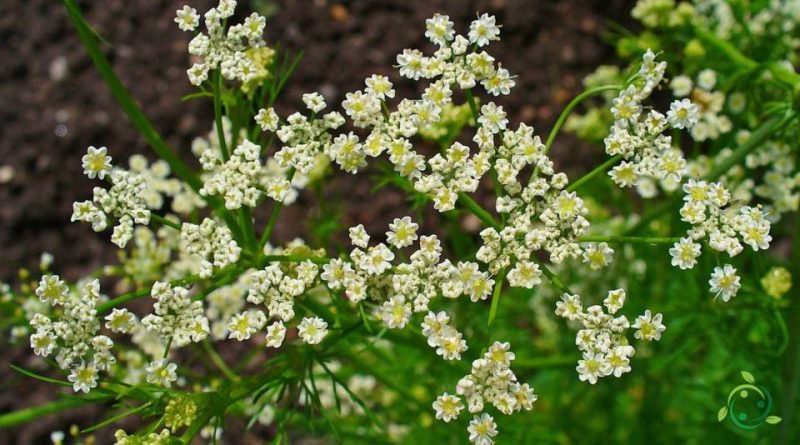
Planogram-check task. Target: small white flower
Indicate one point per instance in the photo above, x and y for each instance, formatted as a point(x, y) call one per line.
point(649, 327)
point(724, 282)
point(161, 372)
point(483, 30)
point(525, 274)
point(682, 114)
point(83, 378)
point(120, 320)
point(314, 101)
point(276, 332)
point(96, 163)
point(312, 330)
point(267, 119)
point(447, 407)
point(684, 253)
point(187, 18)
point(482, 430)
point(402, 232)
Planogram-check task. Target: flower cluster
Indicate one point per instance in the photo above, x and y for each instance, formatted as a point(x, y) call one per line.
point(74, 336)
point(212, 243)
point(638, 136)
point(234, 51)
point(710, 122)
point(491, 381)
point(124, 200)
point(236, 179)
point(602, 340)
point(177, 318)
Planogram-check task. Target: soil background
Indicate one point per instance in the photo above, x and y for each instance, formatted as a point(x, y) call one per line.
point(53, 104)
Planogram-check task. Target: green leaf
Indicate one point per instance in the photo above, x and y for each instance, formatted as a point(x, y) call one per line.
point(722, 414)
point(772, 420)
point(748, 377)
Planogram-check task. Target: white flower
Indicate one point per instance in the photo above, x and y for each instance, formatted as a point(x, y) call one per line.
point(649, 327)
point(447, 407)
point(267, 119)
point(624, 174)
point(187, 18)
point(379, 86)
point(161, 372)
point(314, 101)
point(684, 253)
point(682, 114)
point(482, 430)
point(120, 320)
point(525, 274)
point(83, 378)
point(439, 29)
point(43, 343)
point(724, 282)
point(597, 255)
point(493, 118)
point(707, 79)
point(96, 163)
point(402, 232)
point(615, 300)
point(592, 367)
point(312, 330)
point(483, 30)
point(681, 86)
point(276, 332)
point(359, 236)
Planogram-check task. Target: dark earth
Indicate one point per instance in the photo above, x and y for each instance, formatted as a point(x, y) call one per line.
point(53, 105)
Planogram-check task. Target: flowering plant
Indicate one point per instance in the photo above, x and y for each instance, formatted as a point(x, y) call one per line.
point(373, 341)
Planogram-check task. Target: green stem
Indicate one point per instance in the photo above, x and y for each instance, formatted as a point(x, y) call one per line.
point(165, 221)
point(598, 170)
point(473, 107)
point(572, 104)
point(295, 259)
point(223, 147)
point(246, 222)
point(565, 114)
point(215, 357)
point(629, 239)
point(498, 288)
point(25, 415)
point(477, 210)
point(554, 279)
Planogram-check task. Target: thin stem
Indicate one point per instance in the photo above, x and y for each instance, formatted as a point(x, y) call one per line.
point(215, 357)
point(498, 288)
point(473, 107)
point(477, 210)
point(223, 148)
point(565, 114)
point(629, 239)
point(568, 109)
point(25, 415)
point(554, 279)
point(165, 221)
point(295, 259)
point(598, 170)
